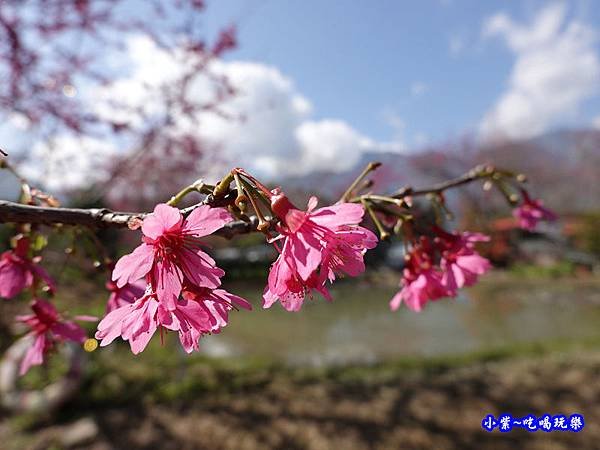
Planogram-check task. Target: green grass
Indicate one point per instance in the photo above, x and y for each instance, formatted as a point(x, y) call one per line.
point(162, 375)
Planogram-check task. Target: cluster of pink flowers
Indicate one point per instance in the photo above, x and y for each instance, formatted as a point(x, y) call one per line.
point(314, 247)
point(437, 268)
point(47, 329)
point(532, 211)
point(180, 290)
point(18, 271)
point(169, 283)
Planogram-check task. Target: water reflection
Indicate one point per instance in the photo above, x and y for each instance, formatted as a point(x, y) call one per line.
point(359, 328)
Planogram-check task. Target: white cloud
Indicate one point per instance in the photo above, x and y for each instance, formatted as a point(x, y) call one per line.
point(69, 162)
point(556, 69)
point(279, 135)
point(596, 122)
point(418, 88)
point(274, 134)
point(331, 144)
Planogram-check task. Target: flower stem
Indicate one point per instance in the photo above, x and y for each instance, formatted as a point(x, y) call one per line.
point(370, 168)
point(196, 186)
point(258, 184)
point(223, 185)
point(241, 198)
point(380, 198)
point(383, 234)
point(263, 224)
point(261, 196)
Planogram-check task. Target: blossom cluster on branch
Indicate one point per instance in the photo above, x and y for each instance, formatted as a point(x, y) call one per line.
point(58, 58)
point(169, 283)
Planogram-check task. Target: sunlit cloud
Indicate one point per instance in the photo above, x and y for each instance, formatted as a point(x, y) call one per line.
point(556, 69)
point(268, 127)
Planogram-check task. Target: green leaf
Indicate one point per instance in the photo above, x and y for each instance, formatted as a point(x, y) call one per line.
point(39, 242)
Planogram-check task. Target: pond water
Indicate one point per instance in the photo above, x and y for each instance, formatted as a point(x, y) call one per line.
point(358, 326)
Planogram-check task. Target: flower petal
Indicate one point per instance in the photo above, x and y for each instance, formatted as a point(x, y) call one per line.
point(164, 219)
point(69, 331)
point(305, 253)
point(340, 214)
point(135, 265)
point(199, 268)
point(205, 220)
point(168, 279)
point(13, 279)
point(34, 355)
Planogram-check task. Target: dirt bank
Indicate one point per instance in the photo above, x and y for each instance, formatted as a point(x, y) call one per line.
point(384, 407)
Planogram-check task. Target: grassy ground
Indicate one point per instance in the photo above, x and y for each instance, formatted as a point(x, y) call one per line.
point(164, 399)
point(170, 402)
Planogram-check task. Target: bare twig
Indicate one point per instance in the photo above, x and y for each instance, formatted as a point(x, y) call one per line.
point(474, 174)
point(104, 218)
point(366, 171)
point(11, 212)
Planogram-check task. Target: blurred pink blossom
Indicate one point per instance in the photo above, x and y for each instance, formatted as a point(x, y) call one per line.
point(47, 328)
point(531, 211)
point(461, 265)
point(18, 271)
point(121, 296)
point(437, 269)
point(421, 279)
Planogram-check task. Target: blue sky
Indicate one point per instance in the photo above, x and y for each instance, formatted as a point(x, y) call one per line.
point(424, 64)
point(322, 83)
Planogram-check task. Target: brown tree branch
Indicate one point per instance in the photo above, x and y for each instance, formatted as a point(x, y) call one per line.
point(11, 212)
point(476, 173)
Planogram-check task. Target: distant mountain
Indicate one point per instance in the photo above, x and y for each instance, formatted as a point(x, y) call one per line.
point(563, 168)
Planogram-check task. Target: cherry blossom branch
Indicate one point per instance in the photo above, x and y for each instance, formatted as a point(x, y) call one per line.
point(11, 212)
point(477, 173)
point(315, 247)
point(370, 168)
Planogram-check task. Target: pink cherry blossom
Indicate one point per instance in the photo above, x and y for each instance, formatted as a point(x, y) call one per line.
point(201, 311)
point(438, 269)
point(284, 284)
point(47, 329)
point(531, 211)
point(121, 296)
point(18, 271)
point(318, 244)
point(170, 253)
point(460, 263)
point(135, 322)
point(421, 280)
point(418, 289)
point(217, 303)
